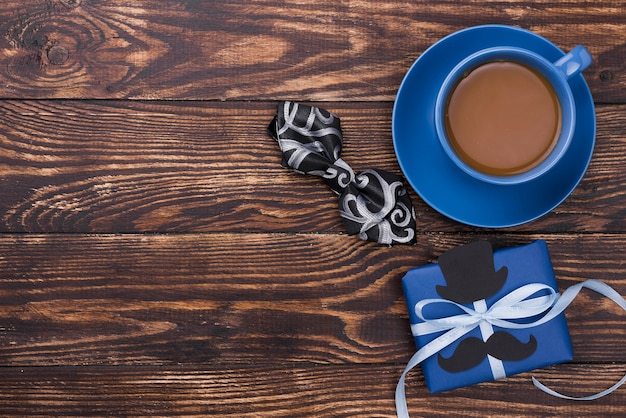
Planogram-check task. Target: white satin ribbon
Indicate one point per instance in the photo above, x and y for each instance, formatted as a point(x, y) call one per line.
point(515, 305)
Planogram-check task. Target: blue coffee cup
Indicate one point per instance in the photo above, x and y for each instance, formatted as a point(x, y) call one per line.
point(555, 73)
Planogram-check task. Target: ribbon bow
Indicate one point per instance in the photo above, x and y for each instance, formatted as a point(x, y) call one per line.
point(373, 204)
point(515, 305)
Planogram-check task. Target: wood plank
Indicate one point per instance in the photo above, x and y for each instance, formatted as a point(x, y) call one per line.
point(287, 391)
point(344, 50)
point(253, 298)
point(119, 166)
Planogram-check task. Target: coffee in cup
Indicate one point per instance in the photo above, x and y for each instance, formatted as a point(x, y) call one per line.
point(506, 115)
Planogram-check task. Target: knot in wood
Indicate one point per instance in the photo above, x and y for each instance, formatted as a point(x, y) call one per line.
point(71, 3)
point(606, 75)
point(58, 54)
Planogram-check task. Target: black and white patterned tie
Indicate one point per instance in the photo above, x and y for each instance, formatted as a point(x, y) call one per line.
point(373, 204)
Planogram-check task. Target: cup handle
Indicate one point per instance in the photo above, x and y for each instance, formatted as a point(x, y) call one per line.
point(574, 61)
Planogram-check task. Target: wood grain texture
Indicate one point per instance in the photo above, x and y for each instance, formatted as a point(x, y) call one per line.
point(275, 391)
point(156, 260)
point(233, 299)
point(344, 50)
point(109, 167)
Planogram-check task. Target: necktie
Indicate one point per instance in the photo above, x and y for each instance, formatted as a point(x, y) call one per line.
point(374, 204)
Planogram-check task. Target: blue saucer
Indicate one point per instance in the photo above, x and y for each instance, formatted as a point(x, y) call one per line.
point(438, 181)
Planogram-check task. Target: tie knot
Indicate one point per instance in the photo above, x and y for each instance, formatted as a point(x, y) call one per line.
point(338, 175)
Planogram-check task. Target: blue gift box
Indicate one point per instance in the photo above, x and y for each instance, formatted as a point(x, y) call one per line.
point(477, 278)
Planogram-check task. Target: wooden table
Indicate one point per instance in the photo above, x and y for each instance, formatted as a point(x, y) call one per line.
point(155, 259)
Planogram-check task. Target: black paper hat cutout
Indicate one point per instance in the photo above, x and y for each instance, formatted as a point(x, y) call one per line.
point(470, 273)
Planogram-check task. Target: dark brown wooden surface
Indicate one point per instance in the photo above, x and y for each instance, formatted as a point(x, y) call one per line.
point(156, 260)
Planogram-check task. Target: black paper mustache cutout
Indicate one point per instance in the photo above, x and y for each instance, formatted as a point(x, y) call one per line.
point(374, 204)
point(501, 345)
